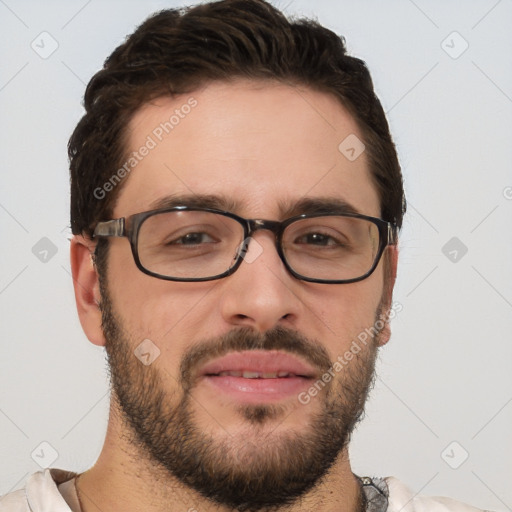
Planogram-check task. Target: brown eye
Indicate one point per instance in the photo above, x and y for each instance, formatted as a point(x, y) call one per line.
point(318, 239)
point(193, 239)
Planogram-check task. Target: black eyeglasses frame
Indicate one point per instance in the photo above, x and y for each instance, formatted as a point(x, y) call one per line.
point(129, 227)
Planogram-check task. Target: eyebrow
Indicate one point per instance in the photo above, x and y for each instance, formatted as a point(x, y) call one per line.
point(316, 205)
point(215, 202)
point(287, 209)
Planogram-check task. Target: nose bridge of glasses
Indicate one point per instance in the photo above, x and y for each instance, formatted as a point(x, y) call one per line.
point(270, 225)
point(260, 224)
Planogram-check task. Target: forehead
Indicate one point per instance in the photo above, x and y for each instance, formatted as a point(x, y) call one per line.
point(258, 145)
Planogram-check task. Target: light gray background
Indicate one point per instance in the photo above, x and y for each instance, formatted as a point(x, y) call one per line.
point(445, 375)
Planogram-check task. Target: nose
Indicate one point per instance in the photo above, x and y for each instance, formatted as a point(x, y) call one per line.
point(261, 294)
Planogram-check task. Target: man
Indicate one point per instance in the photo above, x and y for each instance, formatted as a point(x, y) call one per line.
point(236, 201)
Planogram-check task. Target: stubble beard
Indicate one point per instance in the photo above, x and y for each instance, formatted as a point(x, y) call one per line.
point(265, 468)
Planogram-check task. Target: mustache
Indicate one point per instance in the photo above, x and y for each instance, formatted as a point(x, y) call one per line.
point(237, 340)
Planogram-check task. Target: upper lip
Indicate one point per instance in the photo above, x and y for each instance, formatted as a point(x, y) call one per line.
point(260, 361)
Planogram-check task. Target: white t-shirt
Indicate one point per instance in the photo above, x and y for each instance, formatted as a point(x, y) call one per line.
point(53, 490)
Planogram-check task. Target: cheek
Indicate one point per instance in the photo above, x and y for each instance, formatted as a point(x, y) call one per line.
point(170, 314)
point(157, 308)
point(345, 311)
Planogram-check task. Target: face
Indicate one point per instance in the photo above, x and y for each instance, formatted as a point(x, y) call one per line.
point(258, 150)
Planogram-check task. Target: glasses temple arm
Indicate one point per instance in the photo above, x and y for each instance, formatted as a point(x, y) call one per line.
point(392, 234)
point(114, 227)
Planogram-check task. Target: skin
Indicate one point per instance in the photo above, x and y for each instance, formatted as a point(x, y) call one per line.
point(262, 144)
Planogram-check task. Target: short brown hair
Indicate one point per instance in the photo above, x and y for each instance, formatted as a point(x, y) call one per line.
point(176, 51)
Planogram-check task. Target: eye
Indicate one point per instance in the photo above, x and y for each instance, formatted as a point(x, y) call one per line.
point(192, 239)
point(318, 239)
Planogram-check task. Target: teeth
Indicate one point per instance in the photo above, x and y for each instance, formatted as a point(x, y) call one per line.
point(230, 374)
point(251, 375)
point(255, 375)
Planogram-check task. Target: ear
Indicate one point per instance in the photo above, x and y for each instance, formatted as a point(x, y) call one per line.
point(390, 267)
point(87, 289)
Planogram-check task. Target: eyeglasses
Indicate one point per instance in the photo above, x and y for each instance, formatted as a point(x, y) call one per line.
point(202, 244)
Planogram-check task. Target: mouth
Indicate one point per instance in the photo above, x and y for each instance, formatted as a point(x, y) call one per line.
point(258, 376)
point(255, 375)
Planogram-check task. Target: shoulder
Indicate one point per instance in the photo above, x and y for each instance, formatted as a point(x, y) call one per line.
point(14, 502)
point(40, 493)
point(401, 498)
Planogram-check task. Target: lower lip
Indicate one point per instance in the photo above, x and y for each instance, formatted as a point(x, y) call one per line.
point(258, 390)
